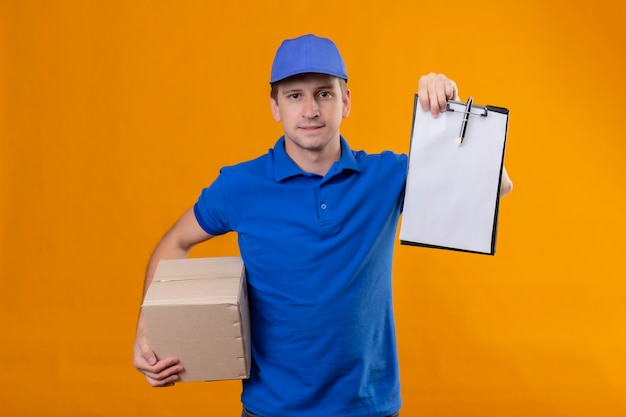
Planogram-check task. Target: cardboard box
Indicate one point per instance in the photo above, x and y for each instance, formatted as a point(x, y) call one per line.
point(196, 309)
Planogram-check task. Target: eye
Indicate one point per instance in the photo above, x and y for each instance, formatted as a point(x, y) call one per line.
point(294, 96)
point(325, 94)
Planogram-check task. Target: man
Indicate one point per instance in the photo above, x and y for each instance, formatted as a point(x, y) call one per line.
point(316, 223)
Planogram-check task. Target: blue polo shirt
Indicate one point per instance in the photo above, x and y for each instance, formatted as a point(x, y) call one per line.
point(318, 256)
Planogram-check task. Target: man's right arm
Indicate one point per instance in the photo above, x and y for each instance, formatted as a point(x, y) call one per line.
point(175, 244)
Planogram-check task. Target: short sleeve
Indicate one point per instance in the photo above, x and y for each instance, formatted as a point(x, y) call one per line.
point(211, 209)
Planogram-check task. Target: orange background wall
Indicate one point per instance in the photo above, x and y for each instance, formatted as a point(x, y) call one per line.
point(114, 114)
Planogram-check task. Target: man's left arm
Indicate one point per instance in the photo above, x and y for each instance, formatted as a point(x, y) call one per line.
point(506, 185)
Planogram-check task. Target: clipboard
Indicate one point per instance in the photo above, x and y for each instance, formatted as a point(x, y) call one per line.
point(453, 185)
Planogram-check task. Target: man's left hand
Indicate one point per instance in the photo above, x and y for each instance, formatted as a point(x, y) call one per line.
point(434, 90)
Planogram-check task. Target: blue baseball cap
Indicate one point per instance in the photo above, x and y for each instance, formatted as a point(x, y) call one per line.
point(307, 53)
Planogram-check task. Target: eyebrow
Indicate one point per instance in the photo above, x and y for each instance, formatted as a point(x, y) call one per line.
point(298, 89)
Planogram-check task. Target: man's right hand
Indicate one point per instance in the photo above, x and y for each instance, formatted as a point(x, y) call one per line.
point(159, 373)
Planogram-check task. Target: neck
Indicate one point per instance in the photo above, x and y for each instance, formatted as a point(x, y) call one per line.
point(316, 161)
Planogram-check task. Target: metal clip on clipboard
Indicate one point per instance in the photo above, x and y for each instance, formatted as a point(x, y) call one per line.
point(467, 112)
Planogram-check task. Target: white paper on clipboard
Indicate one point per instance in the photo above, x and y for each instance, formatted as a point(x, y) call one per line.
point(452, 191)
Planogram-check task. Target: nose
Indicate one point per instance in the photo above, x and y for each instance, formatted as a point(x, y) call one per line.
point(311, 108)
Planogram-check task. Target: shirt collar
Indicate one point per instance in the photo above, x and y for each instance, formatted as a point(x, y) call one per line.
point(285, 167)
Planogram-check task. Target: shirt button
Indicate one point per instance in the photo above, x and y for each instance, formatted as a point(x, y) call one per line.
point(323, 206)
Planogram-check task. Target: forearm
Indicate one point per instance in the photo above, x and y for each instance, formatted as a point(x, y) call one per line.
point(176, 243)
point(506, 185)
point(158, 372)
point(167, 248)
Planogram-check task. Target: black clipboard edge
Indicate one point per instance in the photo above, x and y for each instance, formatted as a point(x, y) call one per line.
point(426, 245)
point(494, 233)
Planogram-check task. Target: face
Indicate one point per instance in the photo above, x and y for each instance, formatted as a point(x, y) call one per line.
point(310, 108)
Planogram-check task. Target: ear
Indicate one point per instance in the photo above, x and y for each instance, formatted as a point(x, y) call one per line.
point(346, 100)
point(275, 109)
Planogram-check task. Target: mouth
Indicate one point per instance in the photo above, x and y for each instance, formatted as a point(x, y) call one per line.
point(310, 128)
